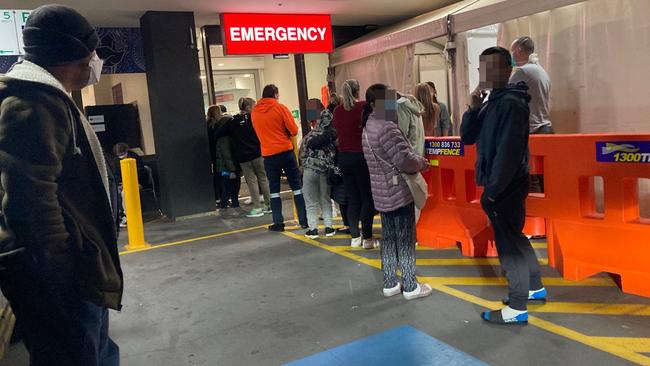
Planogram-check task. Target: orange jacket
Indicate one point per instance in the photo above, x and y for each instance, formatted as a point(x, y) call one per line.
point(274, 126)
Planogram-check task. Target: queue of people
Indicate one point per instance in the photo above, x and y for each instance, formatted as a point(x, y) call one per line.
point(60, 268)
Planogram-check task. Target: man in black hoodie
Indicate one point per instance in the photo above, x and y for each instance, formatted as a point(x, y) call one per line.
point(499, 127)
point(56, 198)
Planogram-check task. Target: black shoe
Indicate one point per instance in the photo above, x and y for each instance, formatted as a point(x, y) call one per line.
point(312, 234)
point(343, 230)
point(329, 232)
point(277, 227)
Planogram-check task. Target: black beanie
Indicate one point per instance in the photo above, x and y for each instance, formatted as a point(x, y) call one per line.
point(57, 34)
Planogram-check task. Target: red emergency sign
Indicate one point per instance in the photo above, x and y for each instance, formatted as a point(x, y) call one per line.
point(246, 34)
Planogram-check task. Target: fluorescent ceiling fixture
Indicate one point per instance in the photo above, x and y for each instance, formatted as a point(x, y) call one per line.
point(247, 75)
point(220, 64)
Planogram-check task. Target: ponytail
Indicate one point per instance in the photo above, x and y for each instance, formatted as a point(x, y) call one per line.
point(350, 88)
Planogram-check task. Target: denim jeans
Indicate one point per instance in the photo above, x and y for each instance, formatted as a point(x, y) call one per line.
point(317, 198)
point(57, 326)
point(274, 166)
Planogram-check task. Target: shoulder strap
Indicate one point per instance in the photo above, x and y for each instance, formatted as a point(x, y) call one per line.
point(365, 136)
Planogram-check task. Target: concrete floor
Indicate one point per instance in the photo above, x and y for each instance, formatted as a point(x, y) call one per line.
point(260, 298)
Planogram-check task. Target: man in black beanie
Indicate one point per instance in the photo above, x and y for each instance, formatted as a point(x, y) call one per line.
point(59, 265)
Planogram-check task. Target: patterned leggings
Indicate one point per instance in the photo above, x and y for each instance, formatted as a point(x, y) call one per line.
point(398, 245)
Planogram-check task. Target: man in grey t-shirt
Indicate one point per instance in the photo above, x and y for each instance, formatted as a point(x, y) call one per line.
point(539, 85)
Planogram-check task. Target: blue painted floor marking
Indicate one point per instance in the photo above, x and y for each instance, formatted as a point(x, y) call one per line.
point(402, 346)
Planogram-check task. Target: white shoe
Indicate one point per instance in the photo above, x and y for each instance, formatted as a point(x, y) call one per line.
point(370, 243)
point(356, 242)
point(388, 292)
point(420, 291)
point(248, 201)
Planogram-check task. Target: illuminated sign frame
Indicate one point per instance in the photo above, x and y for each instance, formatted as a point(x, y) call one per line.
point(249, 34)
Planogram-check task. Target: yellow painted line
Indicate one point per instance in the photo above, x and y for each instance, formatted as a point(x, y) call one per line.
point(592, 308)
point(180, 242)
point(501, 281)
point(461, 262)
point(618, 349)
point(641, 345)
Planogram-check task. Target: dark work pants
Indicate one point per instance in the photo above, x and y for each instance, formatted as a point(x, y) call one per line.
point(537, 180)
point(274, 166)
point(230, 191)
point(344, 215)
point(516, 254)
point(361, 207)
point(59, 330)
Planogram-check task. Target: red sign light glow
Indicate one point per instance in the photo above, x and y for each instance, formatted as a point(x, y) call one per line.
point(246, 34)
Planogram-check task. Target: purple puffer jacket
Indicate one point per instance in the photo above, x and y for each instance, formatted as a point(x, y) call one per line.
point(389, 144)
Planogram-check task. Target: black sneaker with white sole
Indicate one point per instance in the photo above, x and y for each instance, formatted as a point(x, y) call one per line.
point(329, 232)
point(277, 227)
point(312, 234)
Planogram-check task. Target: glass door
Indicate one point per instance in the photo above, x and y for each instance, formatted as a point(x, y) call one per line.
point(229, 86)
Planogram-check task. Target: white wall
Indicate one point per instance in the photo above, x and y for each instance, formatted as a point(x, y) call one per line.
point(316, 65)
point(477, 41)
point(134, 89)
point(282, 73)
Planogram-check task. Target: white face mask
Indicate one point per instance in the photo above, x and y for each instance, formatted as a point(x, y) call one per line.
point(96, 64)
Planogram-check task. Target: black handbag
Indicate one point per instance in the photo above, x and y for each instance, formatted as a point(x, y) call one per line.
point(334, 176)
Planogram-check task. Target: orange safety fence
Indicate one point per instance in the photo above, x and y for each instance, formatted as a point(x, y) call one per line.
point(590, 209)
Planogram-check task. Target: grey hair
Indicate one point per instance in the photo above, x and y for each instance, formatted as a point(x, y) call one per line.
point(526, 44)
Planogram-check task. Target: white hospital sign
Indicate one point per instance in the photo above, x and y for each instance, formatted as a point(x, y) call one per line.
point(11, 31)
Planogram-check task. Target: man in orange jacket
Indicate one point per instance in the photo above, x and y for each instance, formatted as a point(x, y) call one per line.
point(275, 127)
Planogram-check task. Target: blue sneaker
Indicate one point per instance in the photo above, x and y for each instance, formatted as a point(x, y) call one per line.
point(496, 317)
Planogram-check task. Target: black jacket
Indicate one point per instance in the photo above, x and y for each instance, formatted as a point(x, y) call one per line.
point(245, 144)
point(500, 130)
point(54, 201)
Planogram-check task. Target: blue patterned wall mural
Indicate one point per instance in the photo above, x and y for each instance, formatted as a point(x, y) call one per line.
point(121, 49)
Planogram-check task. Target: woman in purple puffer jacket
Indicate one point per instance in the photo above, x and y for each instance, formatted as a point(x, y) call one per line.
point(388, 154)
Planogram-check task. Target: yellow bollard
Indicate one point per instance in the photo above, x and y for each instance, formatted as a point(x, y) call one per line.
point(131, 190)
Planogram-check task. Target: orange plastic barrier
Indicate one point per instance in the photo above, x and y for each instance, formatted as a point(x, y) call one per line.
point(583, 238)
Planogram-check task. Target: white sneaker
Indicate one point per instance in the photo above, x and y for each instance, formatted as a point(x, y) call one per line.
point(370, 243)
point(356, 242)
point(420, 291)
point(388, 292)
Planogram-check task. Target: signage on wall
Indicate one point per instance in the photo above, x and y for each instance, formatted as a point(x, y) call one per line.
point(12, 23)
point(246, 34)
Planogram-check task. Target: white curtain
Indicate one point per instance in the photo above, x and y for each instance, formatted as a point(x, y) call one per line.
point(394, 68)
point(596, 54)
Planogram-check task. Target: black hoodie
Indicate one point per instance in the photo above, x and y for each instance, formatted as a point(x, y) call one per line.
point(245, 144)
point(500, 130)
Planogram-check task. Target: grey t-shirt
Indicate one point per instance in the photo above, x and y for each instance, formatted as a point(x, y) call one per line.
point(539, 88)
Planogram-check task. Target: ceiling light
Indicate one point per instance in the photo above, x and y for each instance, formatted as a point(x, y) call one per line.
point(220, 64)
point(202, 77)
point(247, 75)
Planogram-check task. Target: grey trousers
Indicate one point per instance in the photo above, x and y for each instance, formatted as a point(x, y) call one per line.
point(255, 176)
point(398, 245)
point(317, 197)
point(516, 254)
